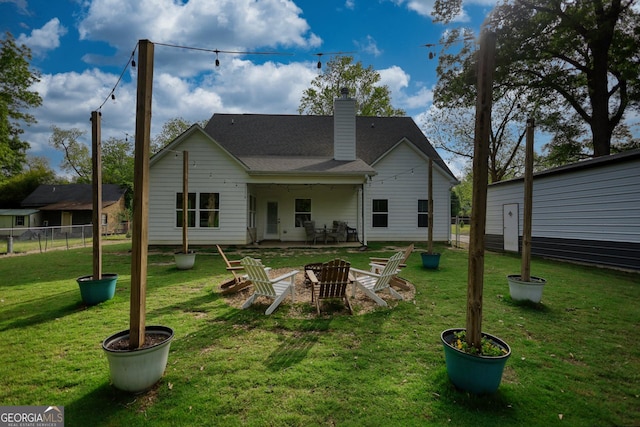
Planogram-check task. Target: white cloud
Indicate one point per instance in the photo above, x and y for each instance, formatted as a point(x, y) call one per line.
point(369, 45)
point(223, 24)
point(398, 82)
point(44, 39)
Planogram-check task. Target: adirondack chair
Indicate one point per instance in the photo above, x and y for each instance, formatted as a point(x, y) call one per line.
point(371, 283)
point(377, 264)
point(239, 280)
point(277, 288)
point(330, 282)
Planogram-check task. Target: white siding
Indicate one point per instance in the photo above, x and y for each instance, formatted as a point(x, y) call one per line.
point(213, 172)
point(402, 179)
point(599, 203)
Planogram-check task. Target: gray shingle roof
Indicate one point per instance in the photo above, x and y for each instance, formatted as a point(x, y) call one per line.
point(70, 195)
point(249, 136)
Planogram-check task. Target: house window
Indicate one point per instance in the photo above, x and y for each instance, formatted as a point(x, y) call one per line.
point(103, 219)
point(380, 213)
point(19, 220)
point(203, 206)
point(423, 213)
point(252, 211)
point(303, 211)
point(191, 210)
point(209, 209)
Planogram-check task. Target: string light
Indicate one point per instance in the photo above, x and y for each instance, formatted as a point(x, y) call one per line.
point(430, 46)
point(112, 95)
point(319, 55)
point(381, 180)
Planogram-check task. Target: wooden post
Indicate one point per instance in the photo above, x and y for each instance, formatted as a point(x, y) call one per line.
point(525, 267)
point(185, 202)
point(430, 207)
point(96, 182)
point(475, 278)
point(139, 235)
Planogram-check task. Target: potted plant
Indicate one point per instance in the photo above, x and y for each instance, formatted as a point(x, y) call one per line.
point(138, 356)
point(524, 287)
point(430, 259)
point(185, 259)
point(97, 287)
point(475, 360)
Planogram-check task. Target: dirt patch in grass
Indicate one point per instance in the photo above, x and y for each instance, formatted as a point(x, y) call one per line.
point(361, 303)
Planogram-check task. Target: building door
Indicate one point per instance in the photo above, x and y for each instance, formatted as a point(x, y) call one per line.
point(66, 222)
point(510, 227)
point(272, 230)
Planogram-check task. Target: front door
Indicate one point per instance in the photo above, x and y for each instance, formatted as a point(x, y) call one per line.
point(510, 227)
point(272, 231)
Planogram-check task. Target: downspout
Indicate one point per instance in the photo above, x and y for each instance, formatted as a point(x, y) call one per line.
point(364, 238)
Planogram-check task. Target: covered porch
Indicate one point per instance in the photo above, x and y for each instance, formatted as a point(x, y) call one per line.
point(277, 212)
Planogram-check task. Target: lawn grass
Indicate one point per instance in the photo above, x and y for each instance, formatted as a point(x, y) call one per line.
point(576, 359)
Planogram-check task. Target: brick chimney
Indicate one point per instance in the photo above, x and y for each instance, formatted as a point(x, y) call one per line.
point(344, 127)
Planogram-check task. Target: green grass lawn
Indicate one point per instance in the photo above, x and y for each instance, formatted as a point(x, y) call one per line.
point(575, 361)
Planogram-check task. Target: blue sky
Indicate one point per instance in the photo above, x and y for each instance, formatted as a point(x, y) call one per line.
point(81, 47)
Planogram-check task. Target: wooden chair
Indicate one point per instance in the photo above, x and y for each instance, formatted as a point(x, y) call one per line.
point(330, 283)
point(239, 280)
point(277, 288)
point(371, 283)
point(377, 264)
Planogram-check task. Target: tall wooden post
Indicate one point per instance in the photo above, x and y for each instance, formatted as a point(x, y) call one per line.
point(140, 230)
point(96, 182)
point(525, 267)
point(475, 280)
point(185, 202)
point(430, 208)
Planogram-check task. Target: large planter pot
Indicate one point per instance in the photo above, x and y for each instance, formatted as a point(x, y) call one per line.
point(526, 291)
point(94, 291)
point(185, 261)
point(138, 370)
point(472, 373)
point(430, 260)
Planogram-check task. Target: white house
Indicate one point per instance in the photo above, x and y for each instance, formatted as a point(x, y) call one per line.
point(255, 177)
point(584, 212)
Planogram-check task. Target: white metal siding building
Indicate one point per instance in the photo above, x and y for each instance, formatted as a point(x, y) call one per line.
point(585, 212)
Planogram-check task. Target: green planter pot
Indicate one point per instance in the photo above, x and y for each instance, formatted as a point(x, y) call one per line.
point(138, 370)
point(430, 261)
point(95, 291)
point(520, 290)
point(472, 373)
point(184, 261)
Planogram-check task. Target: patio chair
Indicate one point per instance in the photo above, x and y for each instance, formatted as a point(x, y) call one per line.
point(377, 264)
point(239, 280)
point(338, 232)
point(331, 283)
point(277, 288)
point(311, 232)
point(371, 283)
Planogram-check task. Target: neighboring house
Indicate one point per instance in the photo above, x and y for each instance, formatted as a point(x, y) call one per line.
point(584, 212)
point(15, 221)
point(72, 204)
point(256, 177)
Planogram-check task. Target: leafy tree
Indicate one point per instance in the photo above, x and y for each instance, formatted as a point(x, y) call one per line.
point(15, 189)
point(117, 165)
point(171, 129)
point(16, 98)
point(372, 99)
point(578, 59)
point(77, 158)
